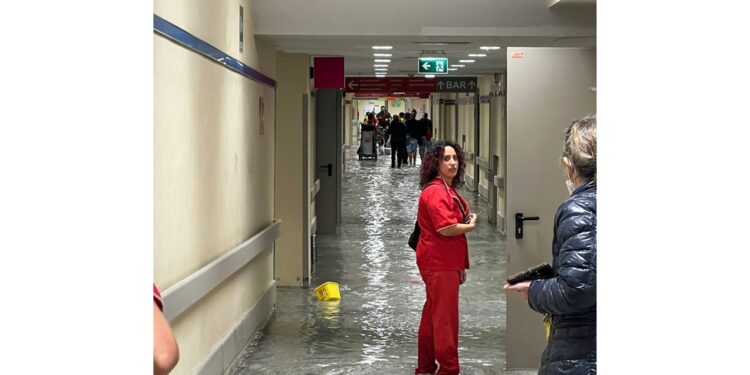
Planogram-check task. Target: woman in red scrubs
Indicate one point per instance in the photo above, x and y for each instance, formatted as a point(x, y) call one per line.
point(442, 256)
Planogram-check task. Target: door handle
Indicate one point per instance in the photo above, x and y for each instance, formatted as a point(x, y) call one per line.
point(329, 166)
point(519, 223)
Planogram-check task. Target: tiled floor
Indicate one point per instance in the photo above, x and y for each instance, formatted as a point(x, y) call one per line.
point(372, 330)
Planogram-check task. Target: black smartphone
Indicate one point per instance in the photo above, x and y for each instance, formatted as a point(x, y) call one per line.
point(541, 271)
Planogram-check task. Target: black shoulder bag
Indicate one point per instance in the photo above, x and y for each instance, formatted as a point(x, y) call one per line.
point(414, 238)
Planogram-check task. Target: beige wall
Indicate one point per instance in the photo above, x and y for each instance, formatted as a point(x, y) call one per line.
point(485, 83)
point(466, 127)
point(449, 117)
point(213, 179)
point(421, 105)
point(292, 192)
point(396, 106)
point(435, 115)
point(365, 105)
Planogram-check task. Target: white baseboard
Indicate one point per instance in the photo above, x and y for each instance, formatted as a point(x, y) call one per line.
point(223, 354)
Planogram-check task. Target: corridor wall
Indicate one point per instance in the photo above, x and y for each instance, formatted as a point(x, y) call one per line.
point(485, 83)
point(466, 113)
point(292, 191)
point(213, 174)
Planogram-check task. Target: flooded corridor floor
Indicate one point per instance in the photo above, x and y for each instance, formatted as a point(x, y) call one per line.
point(373, 329)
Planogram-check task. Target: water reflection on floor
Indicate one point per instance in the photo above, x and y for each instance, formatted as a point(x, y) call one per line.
point(372, 330)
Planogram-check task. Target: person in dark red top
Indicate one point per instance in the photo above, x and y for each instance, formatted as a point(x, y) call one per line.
point(442, 256)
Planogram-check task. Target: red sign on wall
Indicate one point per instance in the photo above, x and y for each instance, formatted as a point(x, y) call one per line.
point(392, 86)
point(328, 72)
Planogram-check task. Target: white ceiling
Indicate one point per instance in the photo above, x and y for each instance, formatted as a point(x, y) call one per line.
point(427, 28)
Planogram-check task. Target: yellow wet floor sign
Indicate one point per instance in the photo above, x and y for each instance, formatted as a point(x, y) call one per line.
point(328, 291)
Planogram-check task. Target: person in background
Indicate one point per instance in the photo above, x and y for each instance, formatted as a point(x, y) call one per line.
point(412, 128)
point(569, 298)
point(398, 141)
point(166, 352)
point(384, 122)
point(442, 256)
point(426, 125)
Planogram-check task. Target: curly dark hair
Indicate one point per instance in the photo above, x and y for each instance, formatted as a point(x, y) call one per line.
point(431, 163)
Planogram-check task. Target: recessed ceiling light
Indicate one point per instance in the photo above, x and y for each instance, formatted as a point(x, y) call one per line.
point(489, 48)
point(380, 75)
point(452, 69)
point(457, 66)
point(382, 47)
point(477, 55)
point(382, 60)
point(382, 54)
point(381, 69)
point(380, 65)
point(429, 76)
point(466, 61)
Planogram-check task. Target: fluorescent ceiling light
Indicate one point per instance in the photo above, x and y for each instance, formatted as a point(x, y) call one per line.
point(382, 47)
point(452, 69)
point(466, 61)
point(381, 69)
point(380, 65)
point(382, 60)
point(457, 66)
point(489, 48)
point(382, 54)
point(429, 76)
point(477, 55)
point(380, 75)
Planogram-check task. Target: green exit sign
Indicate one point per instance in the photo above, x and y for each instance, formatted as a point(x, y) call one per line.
point(433, 65)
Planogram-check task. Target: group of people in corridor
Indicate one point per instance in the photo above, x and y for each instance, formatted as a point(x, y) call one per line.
point(406, 134)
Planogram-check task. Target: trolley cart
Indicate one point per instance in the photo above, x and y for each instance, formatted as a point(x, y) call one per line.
point(367, 145)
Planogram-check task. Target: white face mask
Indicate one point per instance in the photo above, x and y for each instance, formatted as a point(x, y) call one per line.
point(570, 186)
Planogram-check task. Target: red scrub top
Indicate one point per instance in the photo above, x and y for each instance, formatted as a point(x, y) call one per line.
point(439, 208)
point(157, 298)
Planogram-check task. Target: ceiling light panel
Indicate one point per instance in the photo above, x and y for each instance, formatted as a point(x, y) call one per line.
point(382, 47)
point(382, 54)
point(477, 55)
point(382, 60)
point(457, 66)
point(466, 61)
point(489, 48)
point(380, 65)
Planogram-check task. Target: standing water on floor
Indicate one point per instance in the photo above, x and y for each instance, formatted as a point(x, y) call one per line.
point(373, 329)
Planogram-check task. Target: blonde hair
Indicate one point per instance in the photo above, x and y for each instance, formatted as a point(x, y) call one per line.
point(580, 146)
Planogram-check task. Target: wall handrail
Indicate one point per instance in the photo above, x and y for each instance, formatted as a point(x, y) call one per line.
point(185, 293)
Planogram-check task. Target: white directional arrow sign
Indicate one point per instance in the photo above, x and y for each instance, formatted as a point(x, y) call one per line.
point(426, 66)
point(352, 85)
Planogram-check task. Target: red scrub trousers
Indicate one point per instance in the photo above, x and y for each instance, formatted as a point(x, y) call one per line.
point(438, 330)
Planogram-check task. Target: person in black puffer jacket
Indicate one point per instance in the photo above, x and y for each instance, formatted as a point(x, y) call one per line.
point(569, 297)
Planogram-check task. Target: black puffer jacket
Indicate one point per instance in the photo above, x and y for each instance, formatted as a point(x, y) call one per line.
point(570, 296)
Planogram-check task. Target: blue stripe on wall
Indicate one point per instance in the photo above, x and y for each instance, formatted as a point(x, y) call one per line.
point(191, 42)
